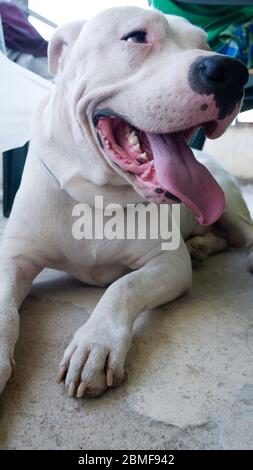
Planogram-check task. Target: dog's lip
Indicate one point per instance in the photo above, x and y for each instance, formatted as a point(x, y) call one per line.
point(208, 126)
point(104, 112)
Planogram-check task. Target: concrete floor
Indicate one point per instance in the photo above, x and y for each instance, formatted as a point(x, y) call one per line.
point(190, 369)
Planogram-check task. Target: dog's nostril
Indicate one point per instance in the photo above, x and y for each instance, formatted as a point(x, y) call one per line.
point(219, 70)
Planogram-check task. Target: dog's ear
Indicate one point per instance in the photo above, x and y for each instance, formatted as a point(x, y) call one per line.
point(61, 43)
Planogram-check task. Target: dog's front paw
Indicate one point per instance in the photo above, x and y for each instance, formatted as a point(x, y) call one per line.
point(6, 367)
point(94, 360)
point(197, 248)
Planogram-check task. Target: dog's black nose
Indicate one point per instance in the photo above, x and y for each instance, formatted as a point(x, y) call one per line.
point(223, 77)
point(219, 71)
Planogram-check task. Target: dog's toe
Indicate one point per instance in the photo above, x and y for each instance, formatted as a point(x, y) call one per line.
point(6, 368)
point(197, 248)
point(93, 373)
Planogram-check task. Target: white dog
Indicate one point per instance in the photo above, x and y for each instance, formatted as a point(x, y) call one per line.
point(132, 87)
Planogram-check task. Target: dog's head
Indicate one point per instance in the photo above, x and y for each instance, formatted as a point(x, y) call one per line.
point(139, 84)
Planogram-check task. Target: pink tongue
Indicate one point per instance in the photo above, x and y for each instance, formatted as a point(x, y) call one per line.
point(181, 174)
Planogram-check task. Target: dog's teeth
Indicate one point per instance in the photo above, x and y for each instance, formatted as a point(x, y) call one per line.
point(152, 162)
point(137, 147)
point(132, 136)
point(143, 156)
point(133, 139)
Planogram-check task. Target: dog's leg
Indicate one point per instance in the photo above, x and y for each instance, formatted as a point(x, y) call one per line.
point(202, 246)
point(16, 276)
point(235, 225)
point(96, 356)
point(236, 220)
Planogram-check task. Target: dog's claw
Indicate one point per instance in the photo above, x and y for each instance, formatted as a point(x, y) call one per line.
point(71, 389)
point(81, 390)
point(13, 364)
point(109, 377)
point(61, 373)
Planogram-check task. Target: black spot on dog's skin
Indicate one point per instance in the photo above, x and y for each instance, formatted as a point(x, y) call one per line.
point(171, 196)
point(167, 194)
point(159, 190)
point(203, 107)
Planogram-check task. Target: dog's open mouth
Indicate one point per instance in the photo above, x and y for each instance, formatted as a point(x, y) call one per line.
point(162, 167)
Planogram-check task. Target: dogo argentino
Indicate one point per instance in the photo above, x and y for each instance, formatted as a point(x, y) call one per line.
point(132, 87)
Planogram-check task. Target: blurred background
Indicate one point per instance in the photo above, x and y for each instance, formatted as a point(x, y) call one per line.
point(61, 11)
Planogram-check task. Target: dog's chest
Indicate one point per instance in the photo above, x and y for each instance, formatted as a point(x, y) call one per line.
point(96, 256)
point(101, 262)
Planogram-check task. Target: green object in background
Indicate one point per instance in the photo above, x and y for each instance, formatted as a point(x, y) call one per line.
point(214, 19)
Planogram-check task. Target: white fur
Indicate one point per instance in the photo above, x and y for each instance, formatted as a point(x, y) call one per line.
point(65, 165)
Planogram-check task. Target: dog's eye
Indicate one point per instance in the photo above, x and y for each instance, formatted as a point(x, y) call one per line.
point(139, 37)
